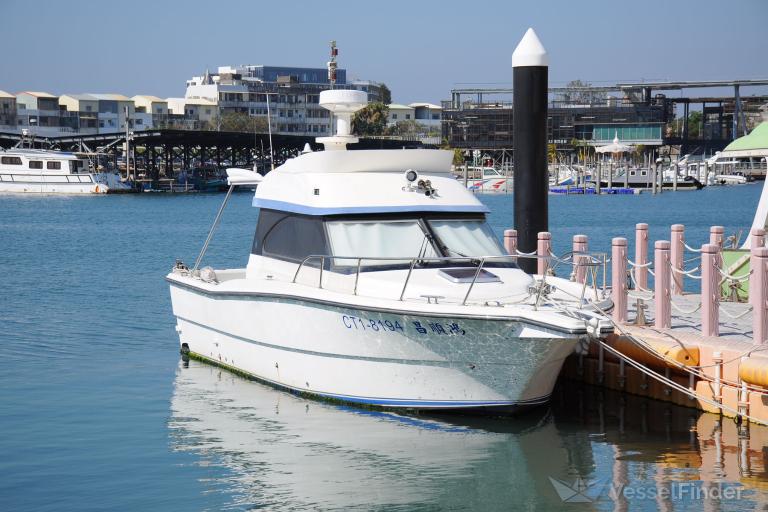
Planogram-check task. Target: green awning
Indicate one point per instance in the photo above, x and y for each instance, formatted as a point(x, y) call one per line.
point(754, 144)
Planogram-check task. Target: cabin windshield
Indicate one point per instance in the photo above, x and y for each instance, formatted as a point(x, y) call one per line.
point(379, 238)
point(465, 238)
point(386, 241)
point(409, 238)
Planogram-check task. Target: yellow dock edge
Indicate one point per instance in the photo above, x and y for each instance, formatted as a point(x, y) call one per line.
point(671, 362)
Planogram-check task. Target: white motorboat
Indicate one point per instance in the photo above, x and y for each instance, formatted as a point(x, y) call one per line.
point(729, 179)
point(53, 172)
point(374, 279)
point(486, 180)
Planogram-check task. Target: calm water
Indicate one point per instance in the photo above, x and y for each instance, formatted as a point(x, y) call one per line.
point(97, 412)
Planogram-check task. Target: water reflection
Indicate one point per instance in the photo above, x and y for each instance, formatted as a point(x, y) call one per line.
point(267, 448)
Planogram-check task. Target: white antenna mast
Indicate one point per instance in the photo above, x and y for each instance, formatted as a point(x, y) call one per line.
point(332, 64)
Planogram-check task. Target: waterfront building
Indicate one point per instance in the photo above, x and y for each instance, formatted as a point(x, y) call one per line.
point(79, 112)
point(293, 94)
point(39, 112)
point(112, 112)
point(150, 112)
point(427, 114)
point(7, 111)
point(398, 112)
point(193, 113)
point(583, 115)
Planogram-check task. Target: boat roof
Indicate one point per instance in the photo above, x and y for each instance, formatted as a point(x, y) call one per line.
point(40, 153)
point(754, 144)
point(365, 182)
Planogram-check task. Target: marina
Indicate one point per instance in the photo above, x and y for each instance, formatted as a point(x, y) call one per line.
point(292, 287)
point(176, 424)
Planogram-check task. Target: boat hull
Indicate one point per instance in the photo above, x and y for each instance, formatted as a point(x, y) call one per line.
point(52, 184)
point(370, 357)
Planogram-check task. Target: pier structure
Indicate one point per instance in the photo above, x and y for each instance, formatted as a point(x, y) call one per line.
point(691, 323)
point(162, 154)
point(638, 113)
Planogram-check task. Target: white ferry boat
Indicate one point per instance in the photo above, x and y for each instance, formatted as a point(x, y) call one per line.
point(53, 172)
point(374, 279)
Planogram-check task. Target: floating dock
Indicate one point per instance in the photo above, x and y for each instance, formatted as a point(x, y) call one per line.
point(706, 347)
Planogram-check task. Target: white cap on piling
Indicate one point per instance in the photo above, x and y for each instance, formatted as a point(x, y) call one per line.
point(530, 52)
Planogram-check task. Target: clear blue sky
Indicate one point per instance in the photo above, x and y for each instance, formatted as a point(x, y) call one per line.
point(421, 49)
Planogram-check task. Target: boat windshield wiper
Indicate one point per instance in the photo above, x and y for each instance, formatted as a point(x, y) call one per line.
point(448, 250)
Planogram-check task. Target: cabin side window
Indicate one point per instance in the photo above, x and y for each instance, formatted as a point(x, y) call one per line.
point(288, 236)
point(10, 160)
point(35, 164)
point(53, 165)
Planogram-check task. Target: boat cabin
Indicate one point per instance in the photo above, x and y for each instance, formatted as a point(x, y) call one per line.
point(376, 209)
point(374, 241)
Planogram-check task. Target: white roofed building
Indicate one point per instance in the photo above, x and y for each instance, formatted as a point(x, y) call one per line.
point(151, 112)
point(7, 111)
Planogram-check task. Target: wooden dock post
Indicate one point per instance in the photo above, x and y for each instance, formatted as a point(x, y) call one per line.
point(544, 247)
point(662, 297)
point(580, 244)
point(710, 290)
point(510, 241)
point(717, 235)
point(758, 292)
point(641, 254)
point(676, 257)
point(619, 279)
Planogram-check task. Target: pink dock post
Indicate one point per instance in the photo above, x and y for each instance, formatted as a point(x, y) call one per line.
point(758, 294)
point(716, 236)
point(758, 237)
point(543, 248)
point(580, 244)
point(676, 257)
point(510, 241)
point(710, 290)
point(619, 279)
point(661, 294)
point(641, 254)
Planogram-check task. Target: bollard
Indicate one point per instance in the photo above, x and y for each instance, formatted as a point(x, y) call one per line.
point(710, 290)
point(662, 298)
point(543, 248)
point(757, 237)
point(530, 71)
point(758, 294)
point(619, 279)
point(716, 236)
point(676, 257)
point(641, 254)
point(580, 244)
point(510, 241)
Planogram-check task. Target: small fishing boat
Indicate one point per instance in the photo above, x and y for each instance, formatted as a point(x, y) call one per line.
point(374, 279)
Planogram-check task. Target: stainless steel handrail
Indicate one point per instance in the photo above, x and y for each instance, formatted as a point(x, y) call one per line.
point(413, 262)
point(594, 260)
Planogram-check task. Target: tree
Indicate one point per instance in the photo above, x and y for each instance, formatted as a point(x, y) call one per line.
point(579, 96)
point(694, 125)
point(406, 127)
point(552, 153)
point(386, 94)
point(370, 120)
point(242, 122)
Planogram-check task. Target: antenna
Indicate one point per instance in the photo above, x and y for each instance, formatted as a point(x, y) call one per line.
point(332, 64)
